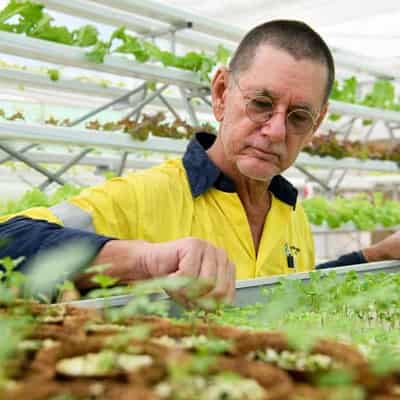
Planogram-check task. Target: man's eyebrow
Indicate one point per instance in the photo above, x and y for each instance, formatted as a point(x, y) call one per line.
point(266, 93)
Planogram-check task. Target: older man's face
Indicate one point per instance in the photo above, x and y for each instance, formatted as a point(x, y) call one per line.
point(260, 150)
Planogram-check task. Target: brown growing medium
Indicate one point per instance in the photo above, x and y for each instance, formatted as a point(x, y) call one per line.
point(387, 388)
point(277, 383)
point(349, 357)
point(307, 392)
point(37, 378)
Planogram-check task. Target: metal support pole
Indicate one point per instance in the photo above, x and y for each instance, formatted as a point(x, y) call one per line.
point(313, 177)
point(395, 126)
point(348, 126)
point(339, 181)
point(206, 101)
point(189, 107)
point(391, 133)
point(330, 176)
point(170, 29)
point(370, 129)
point(344, 127)
point(107, 105)
point(123, 163)
point(31, 164)
point(173, 42)
point(64, 168)
point(147, 100)
point(170, 108)
point(20, 151)
point(143, 96)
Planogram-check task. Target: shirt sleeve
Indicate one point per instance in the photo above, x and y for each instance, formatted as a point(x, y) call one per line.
point(26, 237)
point(354, 258)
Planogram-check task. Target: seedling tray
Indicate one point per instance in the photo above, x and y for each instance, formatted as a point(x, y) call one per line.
point(249, 291)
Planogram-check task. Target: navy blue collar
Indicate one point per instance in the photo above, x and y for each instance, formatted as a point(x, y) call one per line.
point(204, 174)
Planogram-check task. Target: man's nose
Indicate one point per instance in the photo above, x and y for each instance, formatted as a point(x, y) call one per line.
point(275, 127)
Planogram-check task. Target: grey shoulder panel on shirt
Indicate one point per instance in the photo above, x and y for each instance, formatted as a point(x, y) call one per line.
point(73, 216)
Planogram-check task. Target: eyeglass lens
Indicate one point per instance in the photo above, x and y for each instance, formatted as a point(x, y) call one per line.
point(299, 121)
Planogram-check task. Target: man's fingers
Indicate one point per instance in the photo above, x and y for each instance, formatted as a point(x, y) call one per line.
point(209, 267)
point(225, 283)
point(190, 258)
point(232, 285)
point(187, 293)
point(212, 272)
point(179, 297)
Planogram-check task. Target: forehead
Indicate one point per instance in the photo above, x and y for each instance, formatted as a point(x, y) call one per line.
point(291, 80)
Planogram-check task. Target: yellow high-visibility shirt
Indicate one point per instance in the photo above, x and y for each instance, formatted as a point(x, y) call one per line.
point(158, 205)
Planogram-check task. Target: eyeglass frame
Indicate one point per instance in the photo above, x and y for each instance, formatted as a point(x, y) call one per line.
point(249, 99)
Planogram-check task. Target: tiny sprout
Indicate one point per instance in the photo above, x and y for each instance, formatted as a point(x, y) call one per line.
point(104, 281)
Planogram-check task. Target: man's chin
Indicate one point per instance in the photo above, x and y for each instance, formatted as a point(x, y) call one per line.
point(262, 175)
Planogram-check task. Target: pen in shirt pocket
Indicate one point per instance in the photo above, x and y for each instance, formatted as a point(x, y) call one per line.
point(289, 257)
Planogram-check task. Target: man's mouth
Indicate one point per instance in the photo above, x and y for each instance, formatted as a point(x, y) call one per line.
point(264, 154)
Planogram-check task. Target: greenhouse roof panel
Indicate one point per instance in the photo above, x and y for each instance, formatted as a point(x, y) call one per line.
point(365, 27)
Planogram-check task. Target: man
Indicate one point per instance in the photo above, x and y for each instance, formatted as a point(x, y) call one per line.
point(223, 212)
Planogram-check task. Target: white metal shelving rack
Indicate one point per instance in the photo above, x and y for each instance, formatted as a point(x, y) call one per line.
point(27, 47)
point(99, 93)
point(188, 28)
point(154, 19)
point(188, 84)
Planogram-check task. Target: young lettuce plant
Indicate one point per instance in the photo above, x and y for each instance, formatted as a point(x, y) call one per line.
point(11, 278)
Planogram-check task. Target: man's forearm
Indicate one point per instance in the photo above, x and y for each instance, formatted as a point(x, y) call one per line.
point(354, 258)
point(387, 249)
point(26, 237)
point(124, 259)
point(374, 253)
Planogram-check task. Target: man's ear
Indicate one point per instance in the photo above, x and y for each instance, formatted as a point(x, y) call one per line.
point(321, 116)
point(219, 86)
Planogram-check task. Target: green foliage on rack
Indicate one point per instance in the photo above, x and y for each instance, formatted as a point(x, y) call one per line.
point(29, 18)
point(365, 212)
point(37, 198)
point(144, 51)
point(53, 74)
point(382, 95)
point(345, 91)
point(33, 21)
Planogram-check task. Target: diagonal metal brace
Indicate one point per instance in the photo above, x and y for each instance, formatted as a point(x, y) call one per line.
point(108, 105)
point(313, 177)
point(64, 168)
point(146, 101)
point(20, 151)
point(15, 154)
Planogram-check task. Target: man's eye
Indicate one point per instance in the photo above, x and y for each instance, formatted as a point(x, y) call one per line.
point(299, 116)
point(262, 104)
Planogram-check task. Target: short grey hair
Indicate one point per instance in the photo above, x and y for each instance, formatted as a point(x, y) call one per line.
point(295, 37)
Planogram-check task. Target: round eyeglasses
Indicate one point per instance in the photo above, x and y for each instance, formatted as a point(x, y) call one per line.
point(260, 109)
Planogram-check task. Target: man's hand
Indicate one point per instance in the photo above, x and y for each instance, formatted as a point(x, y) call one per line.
point(132, 260)
point(194, 258)
point(386, 249)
